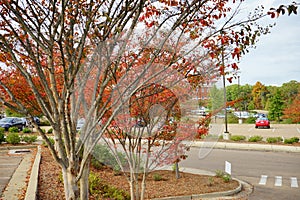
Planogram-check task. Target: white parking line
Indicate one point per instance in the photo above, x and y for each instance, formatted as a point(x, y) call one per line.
point(294, 183)
point(278, 181)
point(263, 180)
point(298, 130)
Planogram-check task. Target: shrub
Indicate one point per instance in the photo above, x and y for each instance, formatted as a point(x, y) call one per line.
point(29, 139)
point(274, 139)
point(2, 137)
point(226, 177)
point(99, 189)
point(50, 130)
point(2, 130)
point(255, 138)
point(51, 141)
point(44, 123)
point(102, 155)
point(237, 137)
point(232, 119)
point(26, 130)
point(291, 140)
point(219, 173)
point(250, 120)
point(13, 130)
point(157, 177)
point(13, 138)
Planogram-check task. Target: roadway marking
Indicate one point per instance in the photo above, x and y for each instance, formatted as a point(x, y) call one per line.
point(263, 180)
point(294, 183)
point(278, 181)
point(298, 130)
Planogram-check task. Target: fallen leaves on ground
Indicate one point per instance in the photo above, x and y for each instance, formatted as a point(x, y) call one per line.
point(50, 186)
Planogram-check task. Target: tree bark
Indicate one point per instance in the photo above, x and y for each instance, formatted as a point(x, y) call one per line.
point(70, 185)
point(84, 181)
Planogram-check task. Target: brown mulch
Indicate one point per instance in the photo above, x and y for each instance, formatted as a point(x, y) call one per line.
point(50, 186)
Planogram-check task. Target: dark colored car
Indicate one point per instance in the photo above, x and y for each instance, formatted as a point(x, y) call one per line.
point(262, 122)
point(8, 122)
point(27, 122)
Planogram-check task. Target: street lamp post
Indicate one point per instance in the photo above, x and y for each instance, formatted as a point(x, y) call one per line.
point(226, 133)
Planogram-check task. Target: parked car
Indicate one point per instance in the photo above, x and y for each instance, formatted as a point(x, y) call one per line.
point(8, 122)
point(262, 122)
point(80, 124)
point(260, 115)
point(27, 122)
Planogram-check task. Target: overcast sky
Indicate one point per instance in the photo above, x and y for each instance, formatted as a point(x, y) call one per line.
point(276, 59)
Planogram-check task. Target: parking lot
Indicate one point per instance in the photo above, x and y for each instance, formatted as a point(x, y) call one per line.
point(8, 165)
point(276, 130)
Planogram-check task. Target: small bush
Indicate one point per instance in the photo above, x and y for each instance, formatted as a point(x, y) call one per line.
point(44, 123)
point(219, 173)
point(291, 140)
point(99, 189)
point(157, 177)
point(255, 138)
point(232, 119)
point(29, 139)
point(2, 130)
point(250, 120)
point(237, 137)
point(103, 156)
point(13, 130)
point(2, 137)
point(26, 130)
point(51, 141)
point(13, 138)
point(274, 139)
point(226, 177)
point(50, 131)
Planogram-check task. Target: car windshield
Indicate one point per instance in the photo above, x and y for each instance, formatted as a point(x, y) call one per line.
point(263, 118)
point(5, 120)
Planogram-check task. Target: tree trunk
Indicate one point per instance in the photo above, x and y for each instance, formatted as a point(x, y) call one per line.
point(70, 185)
point(134, 186)
point(84, 182)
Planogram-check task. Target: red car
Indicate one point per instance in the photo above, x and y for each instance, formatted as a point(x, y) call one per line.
point(262, 122)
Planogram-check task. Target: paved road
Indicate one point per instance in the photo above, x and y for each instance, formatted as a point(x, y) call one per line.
point(274, 175)
point(8, 165)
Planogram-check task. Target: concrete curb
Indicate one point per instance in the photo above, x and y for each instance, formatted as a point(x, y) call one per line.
point(18, 147)
point(31, 192)
point(207, 195)
point(246, 146)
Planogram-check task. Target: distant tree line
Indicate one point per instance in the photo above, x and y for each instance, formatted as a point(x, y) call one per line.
point(281, 102)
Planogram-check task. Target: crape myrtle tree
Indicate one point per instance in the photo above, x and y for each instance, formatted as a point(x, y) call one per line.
point(105, 61)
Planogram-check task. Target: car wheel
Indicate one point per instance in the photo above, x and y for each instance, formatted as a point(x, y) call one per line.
point(268, 126)
point(256, 126)
point(21, 128)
